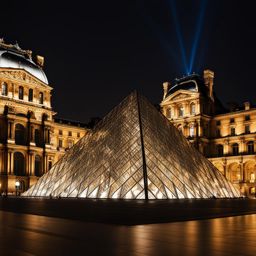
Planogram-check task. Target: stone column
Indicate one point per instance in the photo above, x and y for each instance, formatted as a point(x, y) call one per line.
point(10, 168)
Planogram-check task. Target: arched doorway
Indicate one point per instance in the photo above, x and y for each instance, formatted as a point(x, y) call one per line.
point(38, 166)
point(20, 134)
point(250, 171)
point(234, 173)
point(19, 164)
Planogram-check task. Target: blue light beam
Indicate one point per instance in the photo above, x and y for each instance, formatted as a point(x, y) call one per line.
point(179, 36)
point(199, 26)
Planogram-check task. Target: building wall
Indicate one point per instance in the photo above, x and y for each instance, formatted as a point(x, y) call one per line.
point(29, 136)
point(227, 140)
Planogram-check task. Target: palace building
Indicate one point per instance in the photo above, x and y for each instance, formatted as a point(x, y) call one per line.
point(225, 136)
point(31, 139)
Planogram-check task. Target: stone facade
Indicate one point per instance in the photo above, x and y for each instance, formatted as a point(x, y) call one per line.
point(225, 137)
point(31, 140)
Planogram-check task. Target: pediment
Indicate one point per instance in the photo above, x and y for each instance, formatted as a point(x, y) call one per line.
point(21, 76)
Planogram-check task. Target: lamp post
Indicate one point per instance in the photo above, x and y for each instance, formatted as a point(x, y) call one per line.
point(17, 186)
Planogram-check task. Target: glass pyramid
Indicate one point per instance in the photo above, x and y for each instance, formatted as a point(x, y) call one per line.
point(135, 153)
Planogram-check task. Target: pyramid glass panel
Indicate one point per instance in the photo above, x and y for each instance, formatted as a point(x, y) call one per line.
point(133, 153)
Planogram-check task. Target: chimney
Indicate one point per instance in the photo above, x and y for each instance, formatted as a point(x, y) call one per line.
point(166, 86)
point(40, 60)
point(246, 105)
point(208, 80)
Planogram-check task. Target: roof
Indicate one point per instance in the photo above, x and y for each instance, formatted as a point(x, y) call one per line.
point(12, 56)
point(192, 83)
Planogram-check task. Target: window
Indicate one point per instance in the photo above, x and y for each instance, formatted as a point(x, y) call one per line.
point(4, 89)
point(252, 191)
point(21, 93)
point(19, 164)
point(70, 143)
point(69, 133)
point(60, 132)
point(247, 129)
point(218, 122)
point(41, 98)
point(20, 134)
point(192, 108)
point(233, 131)
point(247, 118)
point(181, 111)
point(218, 133)
point(252, 177)
point(30, 95)
point(38, 138)
point(250, 147)
point(232, 120)
point(235, 149)
point(78, 135)
point(60, 144)
point(168, 112)
point(192, 131)
point(38, 166)
point(220, 150)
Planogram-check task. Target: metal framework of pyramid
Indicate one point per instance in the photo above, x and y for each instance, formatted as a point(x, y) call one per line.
point(133, 153)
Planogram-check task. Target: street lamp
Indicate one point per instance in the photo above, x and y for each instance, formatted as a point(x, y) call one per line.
point(17, 186)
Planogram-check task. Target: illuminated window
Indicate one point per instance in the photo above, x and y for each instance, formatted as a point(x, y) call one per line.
point(250, 147)
point(60, 132)
point(69, 133)
point(181, 111)
point(235, 149)
point(252, 191)
point(220, 150)
point(30, 95)
point(60, 143)
point(192, 108)
point(169, 112)
point(4, 89)
point(78, 135)
point(70, 143)
point(192, 131)
point(233, 131)
point(21, 93)
point(41, 98)
point(232, 120)
point(252, 177)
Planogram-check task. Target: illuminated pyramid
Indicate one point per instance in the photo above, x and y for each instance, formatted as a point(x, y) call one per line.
point(134, 152)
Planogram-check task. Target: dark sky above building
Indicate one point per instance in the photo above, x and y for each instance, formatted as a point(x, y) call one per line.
point(96, 52)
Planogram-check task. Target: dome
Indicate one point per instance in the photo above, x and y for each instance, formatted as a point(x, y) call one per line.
point(10, 58)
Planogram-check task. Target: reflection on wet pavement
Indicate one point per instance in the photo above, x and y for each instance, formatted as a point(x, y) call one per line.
point(24, 234)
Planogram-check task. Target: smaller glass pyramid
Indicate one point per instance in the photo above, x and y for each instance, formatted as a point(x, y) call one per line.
point(135, 153)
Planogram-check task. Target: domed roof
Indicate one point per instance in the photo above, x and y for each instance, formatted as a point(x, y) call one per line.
point(189, 83)
point(14, 57)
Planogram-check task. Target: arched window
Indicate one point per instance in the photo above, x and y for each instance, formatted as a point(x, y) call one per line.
point(41, 98)
point(181, 111)
point(19, 164)
point(192, 108)
point(4, 89)
point(169, 112)
point(30, 95)
point(192, 130)
point(20, 136)
point(21, 93)
point(220, 150)
point(235, 149)
point(38, 166)
point(250, 147)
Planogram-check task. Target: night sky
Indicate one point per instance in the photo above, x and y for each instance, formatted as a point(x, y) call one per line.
point(97, 52)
